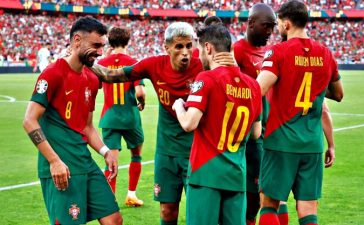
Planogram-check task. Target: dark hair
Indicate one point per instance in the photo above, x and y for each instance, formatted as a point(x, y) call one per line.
point(88, 24)
point(212, 20)
point(217, 35)
point(119, 37)
point(295, 11)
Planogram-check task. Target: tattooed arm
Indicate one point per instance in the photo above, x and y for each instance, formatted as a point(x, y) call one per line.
point(59, 171)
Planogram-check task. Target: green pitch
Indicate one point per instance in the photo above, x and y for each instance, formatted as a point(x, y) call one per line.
point(342, 201)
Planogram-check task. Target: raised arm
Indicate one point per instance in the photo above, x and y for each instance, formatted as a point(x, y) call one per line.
point(189, 119)
point(59, 170)
point(110, 75)
point(266, 79)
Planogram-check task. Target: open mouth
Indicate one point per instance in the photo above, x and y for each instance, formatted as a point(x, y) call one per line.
point(184, 60)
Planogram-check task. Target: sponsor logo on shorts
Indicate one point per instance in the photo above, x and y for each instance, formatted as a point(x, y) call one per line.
point(74, 211)
point(157, 190)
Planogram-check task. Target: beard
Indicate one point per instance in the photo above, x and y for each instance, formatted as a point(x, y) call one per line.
point(85, 59)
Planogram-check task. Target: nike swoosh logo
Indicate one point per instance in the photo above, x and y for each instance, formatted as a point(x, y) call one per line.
point(255, 63)
point(69, 92)
point(160, 82)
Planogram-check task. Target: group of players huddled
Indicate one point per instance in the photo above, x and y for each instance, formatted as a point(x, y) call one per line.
point(257, 114)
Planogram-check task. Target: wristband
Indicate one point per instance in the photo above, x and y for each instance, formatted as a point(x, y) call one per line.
point(103, 150)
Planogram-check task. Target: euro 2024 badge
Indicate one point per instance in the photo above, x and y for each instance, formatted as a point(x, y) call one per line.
point(42, 86)
point(74, 211)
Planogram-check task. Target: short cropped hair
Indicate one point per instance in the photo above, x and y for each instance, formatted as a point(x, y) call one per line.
point(218, 35)
point(88, 24)
point(212, 20)
point(295, 11)
point(119, 37)
point(178, 29)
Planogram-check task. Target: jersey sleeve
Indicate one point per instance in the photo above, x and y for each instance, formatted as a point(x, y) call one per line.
point(46, 86)
point(272, 60)
point(139, 82)
point(140, 69)
point(200, 91)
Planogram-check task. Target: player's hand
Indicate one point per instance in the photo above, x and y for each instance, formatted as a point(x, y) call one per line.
point(329, 157)
point(112, 163)
point(60, 174)
point(225, 59)
point(178, 104)
point(141, 106)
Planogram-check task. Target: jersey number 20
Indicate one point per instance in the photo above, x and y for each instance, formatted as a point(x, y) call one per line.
point(233, 147)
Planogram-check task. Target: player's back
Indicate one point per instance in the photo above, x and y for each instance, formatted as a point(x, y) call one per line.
point(230, 102)
point(304, 69)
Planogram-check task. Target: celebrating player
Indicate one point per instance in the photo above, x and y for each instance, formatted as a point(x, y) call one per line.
point(59, 122)
point(222, 106)
point(299, 73)
point(249, 54)
point(120, 116)
point(171, 76)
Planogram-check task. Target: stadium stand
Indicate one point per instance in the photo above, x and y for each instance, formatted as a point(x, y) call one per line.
point(22, 35)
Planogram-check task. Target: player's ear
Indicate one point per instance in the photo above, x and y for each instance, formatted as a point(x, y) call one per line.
point(251, 22)
point(166, 47)
point(287, 24)
point(76, 40)
point(208, 48)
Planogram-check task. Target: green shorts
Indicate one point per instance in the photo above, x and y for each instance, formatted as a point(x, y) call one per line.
point(88, 197)
point(282, 172)
point(253, 158)
point(206, 206)
point(132, 137)
point(170, 175)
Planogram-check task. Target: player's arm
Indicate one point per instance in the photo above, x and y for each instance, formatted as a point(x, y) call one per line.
point(335, 91)
point(188, 119)
point(111, 75)
point(266, 79)
point(256, 130)
point(98, 145)
point(59, 171)
point(329, 135)
point(140, 96)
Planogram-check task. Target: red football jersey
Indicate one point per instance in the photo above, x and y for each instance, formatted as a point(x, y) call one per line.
point(115, 93)
point(248, 57)
point(168, 83)
point(304, 69)
point(71, 94)
point(230, 102)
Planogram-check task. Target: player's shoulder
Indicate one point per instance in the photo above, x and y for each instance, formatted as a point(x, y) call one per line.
point(56, 70)
point(241, 43)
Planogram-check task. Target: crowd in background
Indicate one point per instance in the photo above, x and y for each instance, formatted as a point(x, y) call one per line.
point(208, 4)
point(21, 36)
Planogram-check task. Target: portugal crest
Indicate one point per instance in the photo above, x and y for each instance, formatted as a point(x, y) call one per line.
point(74, 211)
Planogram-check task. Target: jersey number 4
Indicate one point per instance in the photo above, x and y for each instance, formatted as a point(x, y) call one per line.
point(305, 92)
point(233, 147)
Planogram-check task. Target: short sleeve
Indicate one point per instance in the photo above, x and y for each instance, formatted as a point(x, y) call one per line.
point(200, 91)
point(46, 87)
point(271, 60)
point(140, 69)
point(335, 70)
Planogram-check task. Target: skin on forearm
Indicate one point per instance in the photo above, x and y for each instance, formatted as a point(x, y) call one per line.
point(109, 75)
point(327, 125)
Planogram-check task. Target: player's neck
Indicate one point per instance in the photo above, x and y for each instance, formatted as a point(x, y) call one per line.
point(74, 62)
point(297, 33)
point(119, 50)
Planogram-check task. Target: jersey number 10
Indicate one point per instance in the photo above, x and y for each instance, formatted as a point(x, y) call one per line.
point(233, 147)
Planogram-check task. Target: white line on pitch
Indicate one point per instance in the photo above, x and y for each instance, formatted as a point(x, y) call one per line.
point(37, 182)
point(9, 98)
point(348, 128)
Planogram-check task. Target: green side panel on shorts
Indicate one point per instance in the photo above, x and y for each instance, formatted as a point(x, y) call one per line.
point(67, 143)
point(226, 171)
point(121, 117)
point(301, 134)
point(172, 140)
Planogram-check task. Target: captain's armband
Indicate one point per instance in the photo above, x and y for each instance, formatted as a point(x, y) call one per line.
point(37, 136)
